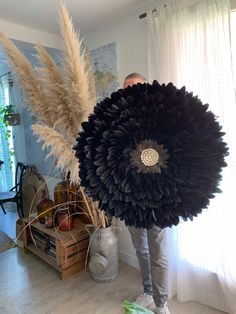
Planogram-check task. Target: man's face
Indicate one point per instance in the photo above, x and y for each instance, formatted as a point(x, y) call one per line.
point(133, 81)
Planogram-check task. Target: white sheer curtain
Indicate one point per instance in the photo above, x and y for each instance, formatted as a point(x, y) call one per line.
point(6, 175)
point(189, 44)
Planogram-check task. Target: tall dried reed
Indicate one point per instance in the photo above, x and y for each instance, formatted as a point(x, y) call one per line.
point(61, 99)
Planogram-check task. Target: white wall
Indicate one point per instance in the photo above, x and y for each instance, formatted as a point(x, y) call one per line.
point(30, 35)
point(130, 35)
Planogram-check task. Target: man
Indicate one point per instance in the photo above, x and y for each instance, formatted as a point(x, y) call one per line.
point(150, 246)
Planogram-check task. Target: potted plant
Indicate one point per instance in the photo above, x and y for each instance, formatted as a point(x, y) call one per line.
point(103, 248)
point(9, 116)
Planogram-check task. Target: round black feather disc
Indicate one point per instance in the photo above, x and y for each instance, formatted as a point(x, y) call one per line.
point(151, 154)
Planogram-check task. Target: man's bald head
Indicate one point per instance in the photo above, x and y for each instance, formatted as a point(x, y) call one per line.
point(133, 78)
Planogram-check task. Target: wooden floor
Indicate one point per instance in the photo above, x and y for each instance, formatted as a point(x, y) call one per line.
point(30, 286)
point(8, 223)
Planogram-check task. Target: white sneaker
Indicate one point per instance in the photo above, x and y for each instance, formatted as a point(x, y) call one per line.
point(145, 300)
point(162, 310)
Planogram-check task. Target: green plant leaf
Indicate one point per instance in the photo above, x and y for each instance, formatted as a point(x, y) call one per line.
point(133, 308)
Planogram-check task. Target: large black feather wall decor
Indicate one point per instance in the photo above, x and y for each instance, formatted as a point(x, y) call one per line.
point(151, 154)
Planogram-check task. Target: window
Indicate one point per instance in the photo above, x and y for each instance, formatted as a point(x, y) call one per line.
point(7, 151)
point(214, 236)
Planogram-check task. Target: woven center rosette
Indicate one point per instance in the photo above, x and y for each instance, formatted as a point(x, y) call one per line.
point(151, 154)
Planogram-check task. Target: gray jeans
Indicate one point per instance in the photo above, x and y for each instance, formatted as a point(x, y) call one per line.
point(151, 252)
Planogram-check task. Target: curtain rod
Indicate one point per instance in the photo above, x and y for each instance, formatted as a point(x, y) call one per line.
point(143, 15)
point(187, 3)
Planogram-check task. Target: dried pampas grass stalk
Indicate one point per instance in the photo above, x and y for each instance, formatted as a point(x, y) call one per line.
point(88, 207)
point(97, 216)
point(28, 81)
point(75, 69)
point(60, 150)
point(60, 101)
point(57, 97)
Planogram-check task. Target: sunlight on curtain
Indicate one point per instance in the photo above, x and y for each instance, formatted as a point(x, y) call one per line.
point(191, 46)
point(233, 43)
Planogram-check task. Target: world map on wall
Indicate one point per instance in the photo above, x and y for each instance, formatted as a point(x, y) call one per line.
point(105, 70)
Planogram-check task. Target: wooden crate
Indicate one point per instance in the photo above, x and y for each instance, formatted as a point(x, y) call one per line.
point(66, 251)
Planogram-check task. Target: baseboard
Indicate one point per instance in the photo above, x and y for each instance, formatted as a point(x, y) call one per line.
point(128, 259)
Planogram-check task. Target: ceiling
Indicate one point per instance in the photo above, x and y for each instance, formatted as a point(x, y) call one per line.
point(86, 14)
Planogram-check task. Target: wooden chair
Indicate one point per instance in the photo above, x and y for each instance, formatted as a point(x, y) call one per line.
point(15, 194)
